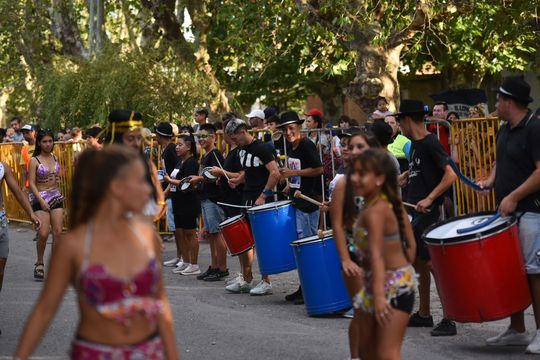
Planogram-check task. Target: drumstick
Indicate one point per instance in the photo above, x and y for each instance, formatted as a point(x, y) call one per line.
point(323, 233)
point(298, 194)
point(221, 167)
point(413, 206)
point(463, 178)
point(234, 206)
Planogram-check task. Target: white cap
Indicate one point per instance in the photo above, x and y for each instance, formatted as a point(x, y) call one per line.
point(256, 114)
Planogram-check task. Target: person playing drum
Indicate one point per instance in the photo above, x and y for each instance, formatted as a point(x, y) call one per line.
point(303, 168)
point(384, 247)
point(516, 180)
point(260, 176)
point(429, 177)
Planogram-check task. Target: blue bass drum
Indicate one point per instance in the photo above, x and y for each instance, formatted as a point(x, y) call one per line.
point(273, 226)
point(319, 269)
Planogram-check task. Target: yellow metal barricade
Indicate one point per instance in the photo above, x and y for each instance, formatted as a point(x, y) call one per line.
point(66, 153)
point(473, 143)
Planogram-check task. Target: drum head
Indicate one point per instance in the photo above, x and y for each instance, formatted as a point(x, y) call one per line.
point(185, 183)
point(271, 205)
point(207, 174)
point(446, 232)
point(231, 220)
point(310, 240)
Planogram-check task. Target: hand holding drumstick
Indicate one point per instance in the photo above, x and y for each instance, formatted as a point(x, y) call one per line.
point(298, 194)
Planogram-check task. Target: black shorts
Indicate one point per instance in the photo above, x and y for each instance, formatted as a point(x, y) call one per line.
point(403, 302)
point(56, 205)
point(420, 222)
point(186, 221)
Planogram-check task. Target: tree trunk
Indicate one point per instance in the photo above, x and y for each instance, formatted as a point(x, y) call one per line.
point(332, 97)
point(64, 27)
point(376, 75)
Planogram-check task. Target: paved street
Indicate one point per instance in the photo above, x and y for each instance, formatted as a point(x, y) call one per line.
point(211, 324)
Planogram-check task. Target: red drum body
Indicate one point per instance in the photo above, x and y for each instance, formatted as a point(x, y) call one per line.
point(237, 234)
point(480, 275)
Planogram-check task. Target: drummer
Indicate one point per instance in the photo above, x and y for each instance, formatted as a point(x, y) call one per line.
point(429, 177)
point(516, 180)
point(260, 175)
point(303, 168)
point(212, 213)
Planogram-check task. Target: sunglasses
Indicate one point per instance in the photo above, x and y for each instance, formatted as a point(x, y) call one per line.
point(204, 136)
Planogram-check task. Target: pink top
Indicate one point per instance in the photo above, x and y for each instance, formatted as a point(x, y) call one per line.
point(119, 298)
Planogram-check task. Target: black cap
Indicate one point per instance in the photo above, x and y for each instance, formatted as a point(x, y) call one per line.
point(411, 107)
point(164, 129)
point(516, 88)
point(289, 117)
point(93, 131)
point(202, 111)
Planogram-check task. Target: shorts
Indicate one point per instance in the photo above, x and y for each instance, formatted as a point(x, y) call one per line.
point(403, 302)
point(151, 349)
point(53, 197)
point(213, 215)
point(529, 237)
point(186, 221)
point(4, 239)
point(307, 223)
point(420, 222)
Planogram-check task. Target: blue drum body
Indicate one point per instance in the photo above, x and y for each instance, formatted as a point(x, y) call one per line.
point(274, 228)
point(319, 269)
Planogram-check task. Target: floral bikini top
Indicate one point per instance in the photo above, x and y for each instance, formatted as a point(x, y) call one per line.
point(119, 298)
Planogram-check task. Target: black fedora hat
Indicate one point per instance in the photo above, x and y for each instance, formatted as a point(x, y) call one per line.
point(289, 117)
point(349, 132)
point(164, 129)
point(411, 107)
point(516, 88)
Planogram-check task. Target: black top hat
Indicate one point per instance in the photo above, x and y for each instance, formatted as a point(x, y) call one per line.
point(516, 88)
point(383, 132)
point(411, 107)
point(289, 117)
point(164, 129)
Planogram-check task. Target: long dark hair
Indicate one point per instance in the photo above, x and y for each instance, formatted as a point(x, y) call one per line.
point(40, 135)
point(379, 162)
point(190, 141)
point(94, 172)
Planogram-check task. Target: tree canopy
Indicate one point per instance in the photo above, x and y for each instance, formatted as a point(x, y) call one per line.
point(68, 62)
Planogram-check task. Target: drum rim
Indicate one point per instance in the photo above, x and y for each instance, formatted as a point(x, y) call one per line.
point(468, 237)
point(284, 203)
point(304, 241)
point(232, 219)
point(206, 171)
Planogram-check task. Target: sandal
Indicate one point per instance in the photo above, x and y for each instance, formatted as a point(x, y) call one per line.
point(39, 271)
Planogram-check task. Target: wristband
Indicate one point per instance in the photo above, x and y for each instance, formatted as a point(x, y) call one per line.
point(268, 192)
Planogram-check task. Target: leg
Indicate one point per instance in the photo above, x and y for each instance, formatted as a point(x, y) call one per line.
point(246, 261)
point(389, 338)
point(178, 239)
point(365, 327)
point(424, 286)
point(2, 267)
point(354, 285)
point(43, 234)
point(57, 218)
point(213, 251)
point(221, 252)
point(190, 236)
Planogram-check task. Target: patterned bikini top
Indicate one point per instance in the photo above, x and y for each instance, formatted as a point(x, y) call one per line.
point(119, 298)
point(43, 173)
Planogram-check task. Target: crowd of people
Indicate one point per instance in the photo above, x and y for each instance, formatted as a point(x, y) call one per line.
point(362, 177)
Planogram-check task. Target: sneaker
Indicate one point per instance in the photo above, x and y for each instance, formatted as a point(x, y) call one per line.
point(295, 295)
point(237, 278)
point(349, 314)
point(209, 271)
point(239, 287)
point(509, 337)
point(444, 328)
point(534, 346)
point(179, 269)
point(218, 275)
point(191, 270)
point(416, 320)
point(172, 262)
point(262, 288)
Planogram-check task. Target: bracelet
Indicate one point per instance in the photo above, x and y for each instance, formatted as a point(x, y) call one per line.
point(268, 192)
point(162, 203)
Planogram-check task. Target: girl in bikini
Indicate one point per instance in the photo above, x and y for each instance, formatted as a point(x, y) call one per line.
point(112, 259)
point(384, 248)
point(45, 197)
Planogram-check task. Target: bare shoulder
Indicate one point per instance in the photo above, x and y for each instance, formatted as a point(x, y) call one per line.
point(71, 243)
point(145, 226)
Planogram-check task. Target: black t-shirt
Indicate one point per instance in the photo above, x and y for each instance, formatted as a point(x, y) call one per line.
point(232, 164)
point(253, 159)
point(428, 159)
point(170, 159)
point(305, 156)
point(209, 190)
point(518, 150)
point(185, 202)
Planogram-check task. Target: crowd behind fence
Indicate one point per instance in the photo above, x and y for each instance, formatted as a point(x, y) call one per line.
point(472, 141)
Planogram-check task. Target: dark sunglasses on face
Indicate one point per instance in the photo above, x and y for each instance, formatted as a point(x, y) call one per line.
point(204, 136)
